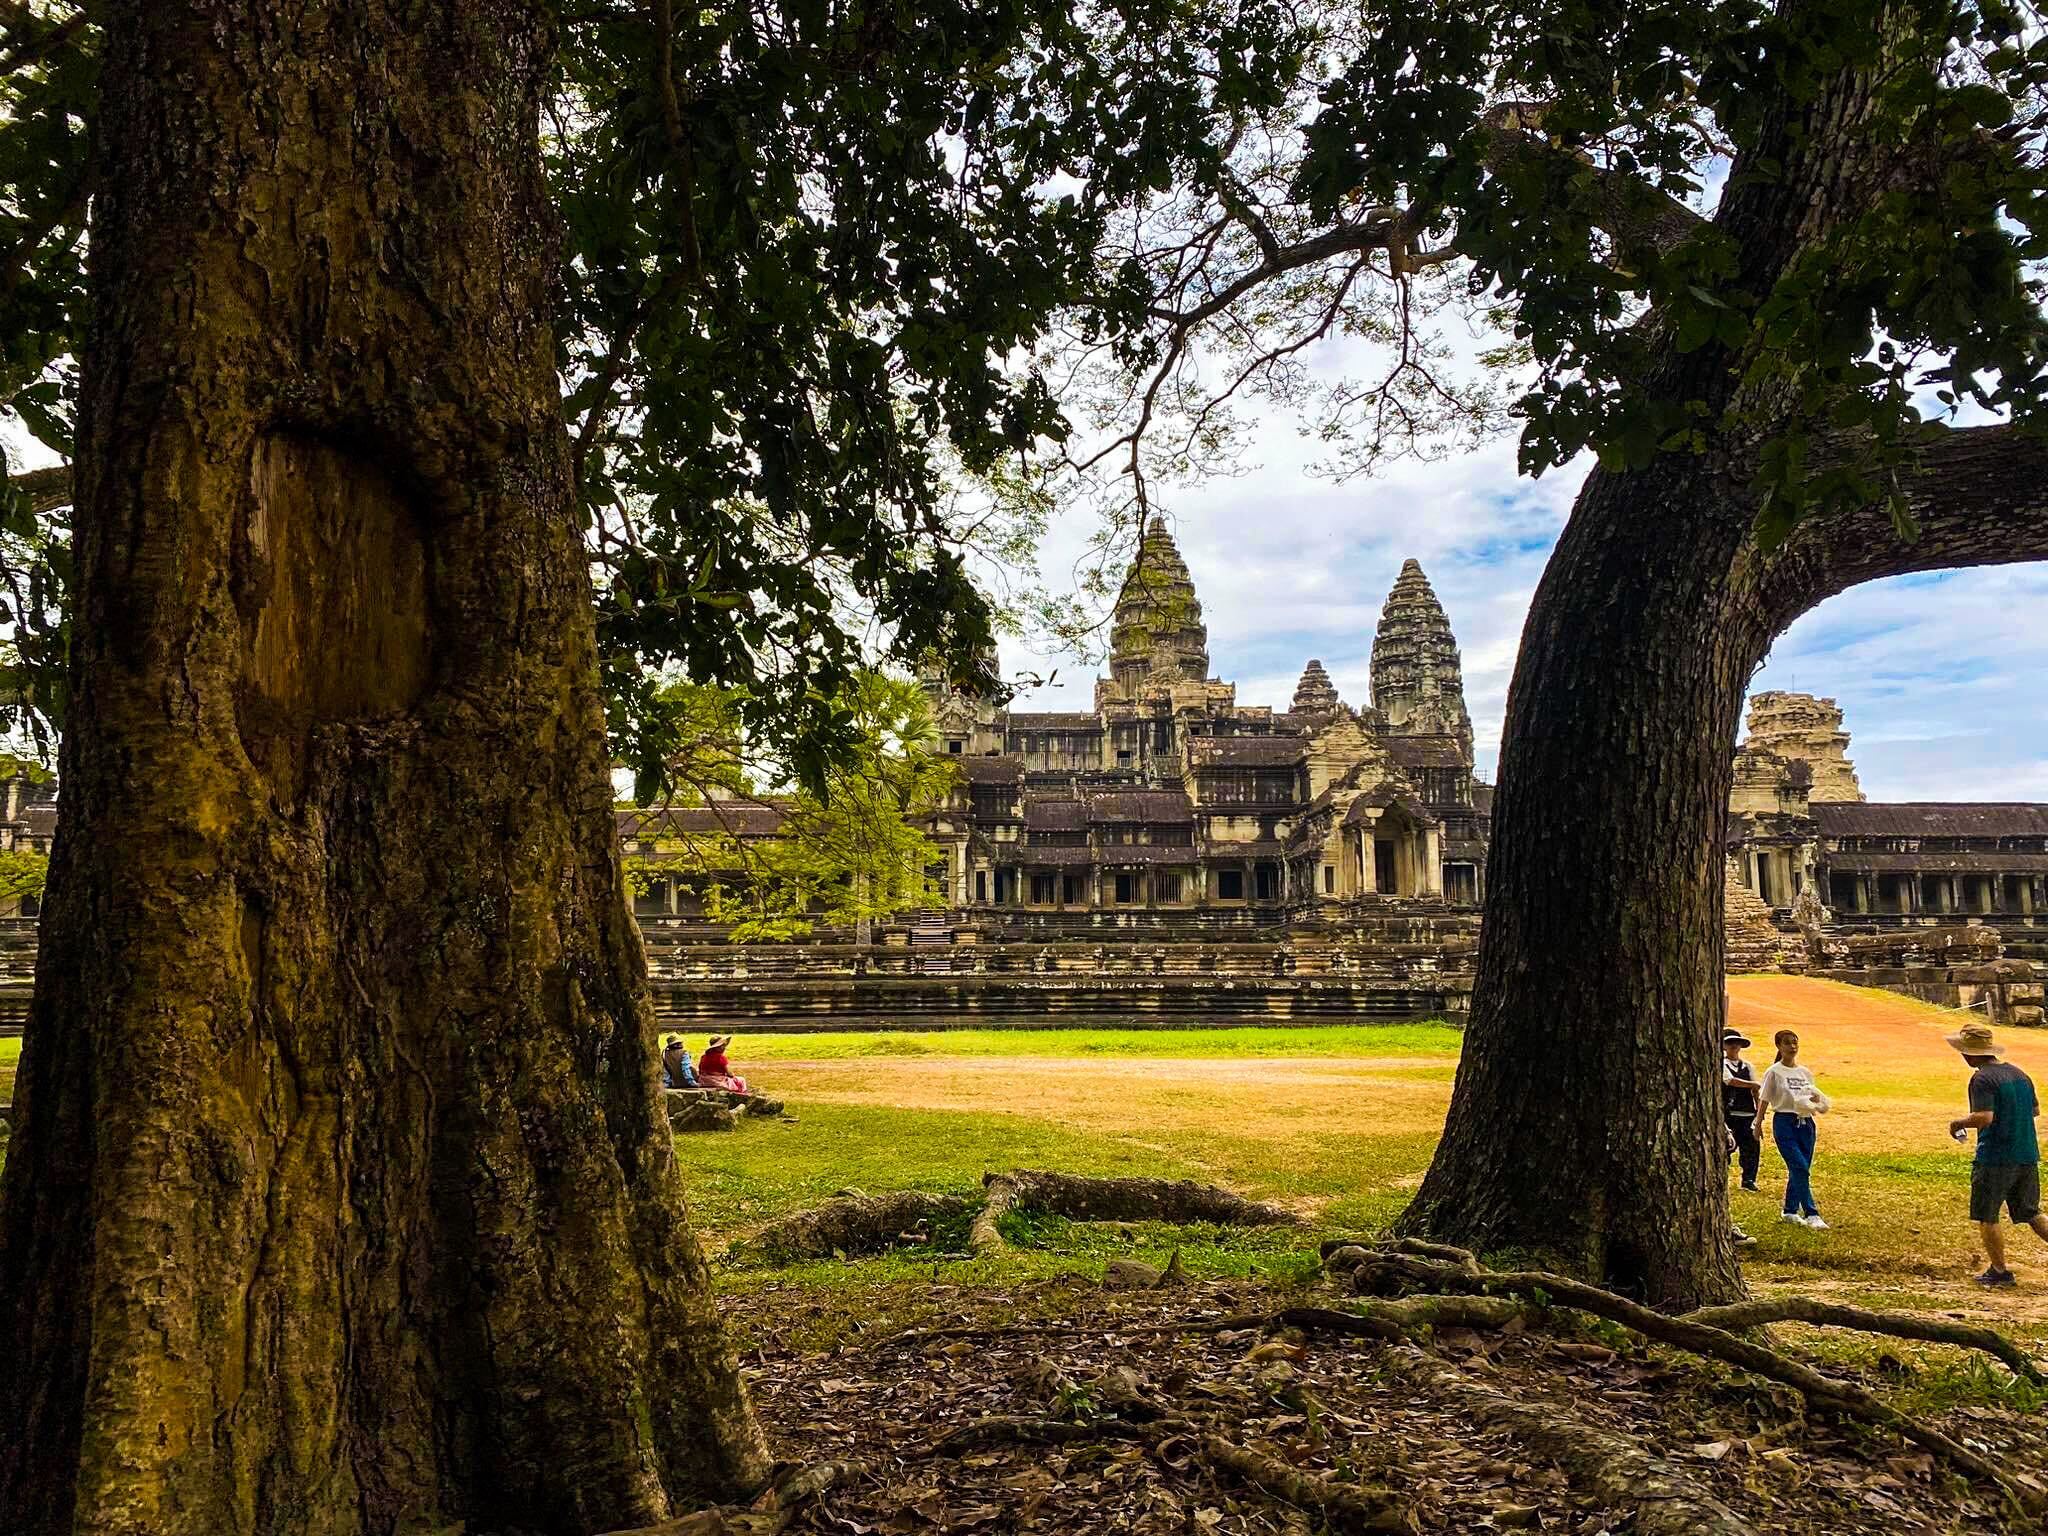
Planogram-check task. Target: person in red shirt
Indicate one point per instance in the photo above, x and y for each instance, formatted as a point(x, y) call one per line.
point(713, 1071)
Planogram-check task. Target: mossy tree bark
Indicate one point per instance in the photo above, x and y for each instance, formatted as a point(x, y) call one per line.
point(1582, 1124)
point(340, 1198)
point(1585, 1123)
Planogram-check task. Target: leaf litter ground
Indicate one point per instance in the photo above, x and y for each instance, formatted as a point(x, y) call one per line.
point(1342, 1410)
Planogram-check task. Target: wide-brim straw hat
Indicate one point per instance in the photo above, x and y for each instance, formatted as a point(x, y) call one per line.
point(1734, 1037)
point(1975, 1040)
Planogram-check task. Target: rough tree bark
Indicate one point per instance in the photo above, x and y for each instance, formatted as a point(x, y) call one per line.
point(1585, 1123)
point(340, 1198)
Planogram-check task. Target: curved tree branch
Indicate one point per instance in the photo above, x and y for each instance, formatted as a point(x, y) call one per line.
point(46, 489)
point(1978, 494)
point(1637, 216)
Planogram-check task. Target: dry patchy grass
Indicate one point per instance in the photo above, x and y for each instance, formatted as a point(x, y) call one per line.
point(1342, 1131)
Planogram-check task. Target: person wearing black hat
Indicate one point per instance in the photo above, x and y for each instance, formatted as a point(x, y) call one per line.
point(676, 1071)
point(1739, 1104)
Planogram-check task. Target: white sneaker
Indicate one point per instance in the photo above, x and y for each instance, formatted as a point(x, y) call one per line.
point(1816, 1223)
point(1796, 1220)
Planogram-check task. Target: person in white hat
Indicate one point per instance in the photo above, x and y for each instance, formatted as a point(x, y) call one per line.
point(2007, 1168)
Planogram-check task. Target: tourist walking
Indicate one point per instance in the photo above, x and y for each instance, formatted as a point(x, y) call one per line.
point(1789, 1092)
point(2007, 1167)
point(1739, 1105)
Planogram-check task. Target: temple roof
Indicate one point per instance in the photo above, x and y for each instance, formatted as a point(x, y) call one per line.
point(1158, 806)
point(1931, 818)
point(1427, 752)
point(727, 818)
point(1938, 863)
point(994, 768)
point(1044, 814)
point(1245, 751)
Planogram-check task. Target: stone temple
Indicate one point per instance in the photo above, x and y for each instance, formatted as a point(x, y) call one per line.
point(1803, 839)
point(1170, 796)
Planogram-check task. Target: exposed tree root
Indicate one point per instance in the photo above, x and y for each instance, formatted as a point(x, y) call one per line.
point(1342, 1506)
point(986, 1237)
point(861, 1224)
point(1406, 1318)
point(1615, 1469)
point(872, 1223)
point(773, 1511)
point(1169, 1200)
point(1741, 1315)
point(1024, 1429)
point(1700, 1339)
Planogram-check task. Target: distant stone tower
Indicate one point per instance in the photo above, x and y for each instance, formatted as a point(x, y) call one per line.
point(1315, 696)
point(1416, 679)
point(1804, 729)
point(1157, 637)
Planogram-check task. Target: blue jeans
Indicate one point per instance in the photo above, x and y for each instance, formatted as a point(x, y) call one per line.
point(1795, 1135)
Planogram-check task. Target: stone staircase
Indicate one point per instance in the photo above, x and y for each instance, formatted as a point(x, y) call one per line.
point(1754, 941)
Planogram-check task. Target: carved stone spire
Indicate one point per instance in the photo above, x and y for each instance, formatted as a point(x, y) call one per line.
point(1806, 730)
point(1158, 636)
point(1417, 682)
point(1315, 694)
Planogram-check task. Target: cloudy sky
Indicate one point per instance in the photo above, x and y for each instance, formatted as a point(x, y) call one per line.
point(1944, 677)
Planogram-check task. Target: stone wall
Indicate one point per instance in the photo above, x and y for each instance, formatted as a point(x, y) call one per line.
point(1308, 975)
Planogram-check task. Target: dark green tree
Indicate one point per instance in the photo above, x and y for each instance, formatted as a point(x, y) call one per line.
point(431, 378)
point(1770, 264)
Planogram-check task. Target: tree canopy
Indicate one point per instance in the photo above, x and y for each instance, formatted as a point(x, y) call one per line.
point(810, 256)
point(1515, 202)
point(853, 851)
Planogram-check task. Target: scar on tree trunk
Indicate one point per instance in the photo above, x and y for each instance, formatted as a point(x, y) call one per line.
point(340, 1198)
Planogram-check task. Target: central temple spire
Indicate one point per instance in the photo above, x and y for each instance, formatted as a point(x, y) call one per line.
point(1157, 636)
point(1417, 682)
point(1315, 696)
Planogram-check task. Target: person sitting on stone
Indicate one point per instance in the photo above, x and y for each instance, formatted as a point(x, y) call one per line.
point(676, 1071)
point(713, 1071)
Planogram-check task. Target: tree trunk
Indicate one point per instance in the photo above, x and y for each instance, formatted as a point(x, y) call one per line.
point(340, 1199)
point(1585, 1124)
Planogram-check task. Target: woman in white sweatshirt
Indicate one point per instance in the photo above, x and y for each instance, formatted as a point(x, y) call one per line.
point(1788, 1092)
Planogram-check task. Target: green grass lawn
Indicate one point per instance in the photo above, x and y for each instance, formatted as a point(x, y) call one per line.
point(1418, 1040)
point(1337, 1122)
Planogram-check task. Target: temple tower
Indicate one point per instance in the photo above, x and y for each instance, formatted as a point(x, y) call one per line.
point(1804, 729)
point(1315, 696)
point(1417, 682)
point(1157, 637)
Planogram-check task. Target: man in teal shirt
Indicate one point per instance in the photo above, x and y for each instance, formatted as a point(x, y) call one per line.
point(2007, 1170)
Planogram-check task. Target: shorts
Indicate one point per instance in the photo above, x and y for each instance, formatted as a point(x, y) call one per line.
point(2016, 1186)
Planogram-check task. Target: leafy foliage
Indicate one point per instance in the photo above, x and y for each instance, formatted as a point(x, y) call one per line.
point(1926, 284)
point(854, 850)
point(810, 250)
point(47, 81)
point(23, 872)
